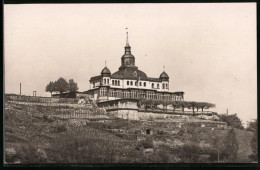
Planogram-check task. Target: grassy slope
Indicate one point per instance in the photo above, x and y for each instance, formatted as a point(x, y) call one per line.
point(244, 138)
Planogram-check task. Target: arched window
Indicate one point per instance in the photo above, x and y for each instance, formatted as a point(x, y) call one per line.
point(113, 82)
point(108, 81)
point(136, 83)
point(166, 85)
point(104, 81)
point(140, 83)
point(131, 83)
point(118, 82)
point(144, 84)
point(152, 85)
point(158, 86)
point(93, 85)
point(163, 86)
point(127, 83)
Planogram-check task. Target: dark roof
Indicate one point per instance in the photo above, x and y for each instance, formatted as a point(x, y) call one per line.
point(179, 92)
point(95, 78)
point(68, 93)
point(153, 79)
point(105, 71)
point(129, 73)
point(164, 75)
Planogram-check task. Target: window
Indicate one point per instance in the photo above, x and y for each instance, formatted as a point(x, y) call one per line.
point(113, 82)
point(163, 86)
point(152, 85)
point(144, 84)
point(140, 83)
point(93, 85)
point(104, 81)
point(108, 81)
point(136, 83)
point(103, 91)
point(127, 82)
point(158, 86)
point(131, 83)
point(135, 94)
point(118, 82)
point(131, 94)
point(166, 86)
point(126, 94)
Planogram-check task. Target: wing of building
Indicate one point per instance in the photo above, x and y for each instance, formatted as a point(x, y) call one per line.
point(130, 82)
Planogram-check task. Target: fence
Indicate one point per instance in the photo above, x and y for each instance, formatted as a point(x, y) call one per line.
point(39, 99)
point(168, 111)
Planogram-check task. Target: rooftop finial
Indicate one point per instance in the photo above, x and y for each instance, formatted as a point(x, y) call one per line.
point(105, 63)
point(163, 67)
point(127, 43)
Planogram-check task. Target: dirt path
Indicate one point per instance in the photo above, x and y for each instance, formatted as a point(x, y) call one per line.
point(244, 138)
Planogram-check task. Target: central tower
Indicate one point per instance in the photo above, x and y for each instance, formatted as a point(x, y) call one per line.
point(127, 60)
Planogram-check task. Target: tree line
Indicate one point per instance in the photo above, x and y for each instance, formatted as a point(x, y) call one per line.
point(253, 126)
point(153, 104)
point(61, 85)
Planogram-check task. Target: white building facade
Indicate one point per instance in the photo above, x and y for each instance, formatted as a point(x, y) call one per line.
point(130, 82)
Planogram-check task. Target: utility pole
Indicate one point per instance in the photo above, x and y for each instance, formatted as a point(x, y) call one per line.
point(20, 89)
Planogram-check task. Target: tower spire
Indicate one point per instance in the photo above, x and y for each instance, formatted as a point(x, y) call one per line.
point(127, 43)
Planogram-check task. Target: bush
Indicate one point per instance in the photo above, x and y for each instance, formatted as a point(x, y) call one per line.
point(58, 129)
point(49, 119)
point(232, 120)
point(147, 143)
point(26, 153)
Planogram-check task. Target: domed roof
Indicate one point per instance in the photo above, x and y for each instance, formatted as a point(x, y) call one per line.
point(127, 55)
point(105, 71)
point(129, 73)
point(164, 75)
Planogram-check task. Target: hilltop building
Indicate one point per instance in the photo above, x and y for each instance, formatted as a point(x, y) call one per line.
point(130, 82)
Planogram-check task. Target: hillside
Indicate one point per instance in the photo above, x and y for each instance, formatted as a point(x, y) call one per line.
point(244, 138)
point(63, 133)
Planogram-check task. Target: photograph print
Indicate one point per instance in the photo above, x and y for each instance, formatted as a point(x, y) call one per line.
point(130, 83)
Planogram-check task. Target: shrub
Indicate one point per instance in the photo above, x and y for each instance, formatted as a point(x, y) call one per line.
point(147, 143)
point(58, 129)
point(189, 152)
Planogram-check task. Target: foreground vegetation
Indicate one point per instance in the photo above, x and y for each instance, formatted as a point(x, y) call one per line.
point(37, 137)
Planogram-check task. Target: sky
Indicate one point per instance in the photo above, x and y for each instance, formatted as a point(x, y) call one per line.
point(208, 50)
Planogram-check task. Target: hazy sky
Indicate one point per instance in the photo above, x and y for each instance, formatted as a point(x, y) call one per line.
point(209, 50)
